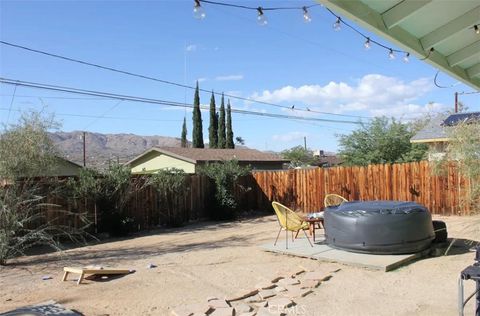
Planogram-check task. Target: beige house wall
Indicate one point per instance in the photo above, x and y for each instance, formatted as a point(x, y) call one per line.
point(154, 161)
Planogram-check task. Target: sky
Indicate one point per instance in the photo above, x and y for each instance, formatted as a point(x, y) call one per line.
point(285, 63)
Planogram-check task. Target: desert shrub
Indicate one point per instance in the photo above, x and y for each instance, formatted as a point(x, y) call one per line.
point(224, 175)
point(171, 187)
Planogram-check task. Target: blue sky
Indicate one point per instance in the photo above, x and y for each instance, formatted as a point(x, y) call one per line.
point(288, 62)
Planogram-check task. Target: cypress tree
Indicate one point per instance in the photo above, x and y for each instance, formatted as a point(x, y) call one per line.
point(197, 133)
point(212, 129)
point(184, 133)
point(221, 126)
point(229, 141)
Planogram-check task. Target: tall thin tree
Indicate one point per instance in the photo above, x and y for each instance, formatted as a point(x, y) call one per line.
point(184, 133)
point(229, 140)
point(222, 142)
point(197, 133)
point(213, 128)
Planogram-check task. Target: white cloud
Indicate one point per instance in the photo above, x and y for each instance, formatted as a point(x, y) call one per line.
point(202, 79)
point(372, 93)
point(229, 77)
point(191, 48)
point(289, 137)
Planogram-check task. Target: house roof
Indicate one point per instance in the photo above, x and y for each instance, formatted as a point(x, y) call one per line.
point(417, 26)
point(195, 155)
point(432, 132)
point(456, 118)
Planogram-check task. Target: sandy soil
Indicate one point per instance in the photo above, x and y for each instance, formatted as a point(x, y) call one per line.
point(219, 259)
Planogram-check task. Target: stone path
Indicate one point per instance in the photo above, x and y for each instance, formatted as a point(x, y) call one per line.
point(271, 297)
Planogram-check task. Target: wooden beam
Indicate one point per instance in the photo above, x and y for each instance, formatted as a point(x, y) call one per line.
point(474, 71)
point(402, 11)
point(465, 53)
point(372, 21)
point(451, 28)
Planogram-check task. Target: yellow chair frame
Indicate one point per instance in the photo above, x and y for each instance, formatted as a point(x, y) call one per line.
point(333, 200)
point(289, 221)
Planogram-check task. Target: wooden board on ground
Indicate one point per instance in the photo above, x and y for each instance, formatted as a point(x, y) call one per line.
point(91, 270)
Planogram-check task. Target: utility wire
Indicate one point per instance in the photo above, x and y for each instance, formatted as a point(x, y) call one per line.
point(156, 101)
point(129, 73)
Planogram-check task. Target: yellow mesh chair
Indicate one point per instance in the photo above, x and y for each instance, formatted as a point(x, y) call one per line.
point(289, 221)
point(334, 200)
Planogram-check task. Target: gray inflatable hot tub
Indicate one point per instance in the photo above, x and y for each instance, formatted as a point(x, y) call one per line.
point(379, 227)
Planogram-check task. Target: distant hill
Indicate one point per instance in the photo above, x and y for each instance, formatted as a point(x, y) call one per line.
point(103, 148)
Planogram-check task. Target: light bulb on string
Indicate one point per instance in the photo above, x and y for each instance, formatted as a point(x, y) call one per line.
point(391, 54)
point(367, 44)
point(406, 58)
point(198, 11)
point(476, 29)
point(261, 18)
point(337, 26)
point(306, 16)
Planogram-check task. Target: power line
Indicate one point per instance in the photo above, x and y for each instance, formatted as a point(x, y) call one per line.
point(129, 73)
point(156, 101)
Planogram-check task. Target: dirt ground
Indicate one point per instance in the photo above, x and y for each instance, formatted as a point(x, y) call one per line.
point(219, 259)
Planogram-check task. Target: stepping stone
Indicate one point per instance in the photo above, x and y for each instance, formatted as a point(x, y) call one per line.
point(254, 299)
point(289, 281)
point(279, 289)
point(261, 304)
point(319, 276)
point(241, 296)
point(309, 284)
point(230, 311)
point(242, 308)
point(265, 286)
point(217, 303)
point(296, 292)
point(267, 312)
point(267, 293)
point(275, 280)
point(279, 303)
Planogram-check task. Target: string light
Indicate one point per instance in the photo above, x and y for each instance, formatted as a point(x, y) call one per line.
point(261, 18)
point(367, 43)
point(406, 58)
point(306, 17)
point(476, 29)
point(337, 26)
point(198, 11)
point(391, 54)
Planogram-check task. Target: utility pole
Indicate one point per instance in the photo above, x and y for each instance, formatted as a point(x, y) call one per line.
point(84, 155)
point(456, 102)
point(305, 142)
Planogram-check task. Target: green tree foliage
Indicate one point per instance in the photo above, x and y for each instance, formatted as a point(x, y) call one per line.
point(213, 128)
point(110, 190)
point(197, 131)
point(224, 174)
point(26, 153)
point(171, 187)
point(229, 142)
point(184, 142)
point(463, 151)
point(380, 141)
point(299, 156)
point(222, 141)
point(239, 140)
point(26, 149)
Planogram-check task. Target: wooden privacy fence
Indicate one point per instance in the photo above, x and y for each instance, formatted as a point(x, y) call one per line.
point(302, 189)
point(305, 189)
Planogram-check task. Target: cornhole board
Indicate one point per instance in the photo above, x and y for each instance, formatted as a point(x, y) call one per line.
point(87, 270)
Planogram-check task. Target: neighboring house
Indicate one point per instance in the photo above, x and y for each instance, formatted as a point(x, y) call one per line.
point(326, 159)
point(434, 134)
point(64, 168)
point(189, 159)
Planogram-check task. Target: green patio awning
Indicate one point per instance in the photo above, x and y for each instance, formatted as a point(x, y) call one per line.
point(418, 25)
